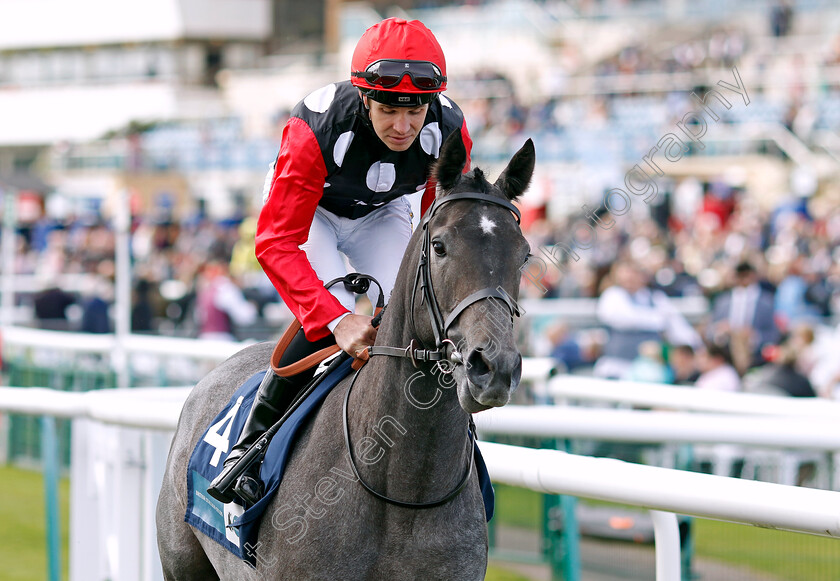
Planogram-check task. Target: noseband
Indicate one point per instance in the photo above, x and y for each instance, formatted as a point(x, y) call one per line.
point(440, 327)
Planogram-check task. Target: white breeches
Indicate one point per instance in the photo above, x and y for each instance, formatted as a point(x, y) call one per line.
point(373, 245)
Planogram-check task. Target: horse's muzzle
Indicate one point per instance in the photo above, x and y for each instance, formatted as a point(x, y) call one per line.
point(493, 378)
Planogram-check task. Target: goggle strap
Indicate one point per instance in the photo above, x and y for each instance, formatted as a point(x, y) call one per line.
point(397, 69)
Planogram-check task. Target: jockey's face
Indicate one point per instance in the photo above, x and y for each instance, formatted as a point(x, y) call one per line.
point(397, 127)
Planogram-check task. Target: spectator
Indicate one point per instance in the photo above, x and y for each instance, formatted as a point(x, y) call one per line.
point(780, 376)
point(716, 370)
point(792, 301)
point(95, 305)
point(51, 308)
point(567, 350)
point(634, 313)
point(649, 366)
point(781, 18)
point(142, 311)
point(802, 341)
point(743, 318)
point(683, 363)
point(674, 281)
point(221, 307)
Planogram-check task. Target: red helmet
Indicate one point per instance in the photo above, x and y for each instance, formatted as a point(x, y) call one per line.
point(400, 63)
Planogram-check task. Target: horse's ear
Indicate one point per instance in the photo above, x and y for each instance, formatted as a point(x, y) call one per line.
point(516, 177)
point(453, 158)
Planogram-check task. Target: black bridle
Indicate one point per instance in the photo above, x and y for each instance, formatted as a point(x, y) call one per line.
point(440, 328)
point(423, 281)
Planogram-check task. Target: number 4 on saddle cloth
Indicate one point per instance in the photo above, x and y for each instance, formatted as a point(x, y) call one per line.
point(231, 525)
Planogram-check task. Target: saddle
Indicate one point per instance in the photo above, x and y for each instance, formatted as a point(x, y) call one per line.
point(232, 525)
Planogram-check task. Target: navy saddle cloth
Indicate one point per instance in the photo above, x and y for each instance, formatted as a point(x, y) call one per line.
point(230, 524)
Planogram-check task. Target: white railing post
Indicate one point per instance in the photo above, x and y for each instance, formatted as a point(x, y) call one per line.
point(122, 292)
point(7, 250)
point(666, 533)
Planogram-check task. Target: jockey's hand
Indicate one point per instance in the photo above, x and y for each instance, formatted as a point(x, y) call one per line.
point(353, 333)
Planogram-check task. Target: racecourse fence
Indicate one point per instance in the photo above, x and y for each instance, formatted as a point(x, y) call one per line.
point(80, 362)
point(120, 437)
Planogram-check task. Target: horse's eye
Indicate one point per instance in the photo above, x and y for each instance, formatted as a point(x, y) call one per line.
point(528, 259)
point(438, 247)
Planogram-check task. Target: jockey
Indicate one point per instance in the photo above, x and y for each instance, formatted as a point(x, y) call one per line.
point(349, 154)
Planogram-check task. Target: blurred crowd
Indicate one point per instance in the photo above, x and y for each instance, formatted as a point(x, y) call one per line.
point(498, 114)
point(770, 277)
point(192, 278)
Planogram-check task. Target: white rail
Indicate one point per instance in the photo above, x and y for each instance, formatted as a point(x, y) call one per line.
point(687, 398)
point(660, 426)
point(664, 491)
point(159, 408)
point(107, 343)
point(146, 408)
point(763, 504)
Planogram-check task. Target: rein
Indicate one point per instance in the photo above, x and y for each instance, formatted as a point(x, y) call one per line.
point(403, 503)
point(440, 327)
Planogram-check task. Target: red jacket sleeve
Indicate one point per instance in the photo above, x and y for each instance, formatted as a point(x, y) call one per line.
point(283, 225)
point(429, 195)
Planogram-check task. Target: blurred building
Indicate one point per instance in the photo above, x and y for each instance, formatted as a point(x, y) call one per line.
point(82, 71)
point(84, 68)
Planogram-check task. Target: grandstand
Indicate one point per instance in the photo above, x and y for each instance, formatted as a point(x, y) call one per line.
point(591, 85)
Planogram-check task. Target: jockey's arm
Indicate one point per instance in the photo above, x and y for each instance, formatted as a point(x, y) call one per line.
point(283, 225)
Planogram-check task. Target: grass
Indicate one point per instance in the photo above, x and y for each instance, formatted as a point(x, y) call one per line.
point(787, 556)
point(498, 574)
point(518, 507)
point(23, 552)
point(23, 543)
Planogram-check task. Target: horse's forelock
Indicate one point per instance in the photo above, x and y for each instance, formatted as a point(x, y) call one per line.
point(473, 181)
point(478, 175)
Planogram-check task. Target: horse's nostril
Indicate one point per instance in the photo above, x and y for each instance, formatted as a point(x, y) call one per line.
point(478, 369)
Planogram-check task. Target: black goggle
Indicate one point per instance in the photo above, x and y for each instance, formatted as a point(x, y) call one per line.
point(388, 73)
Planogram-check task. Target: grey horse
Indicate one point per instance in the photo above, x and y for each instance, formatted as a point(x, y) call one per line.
point(405, 503)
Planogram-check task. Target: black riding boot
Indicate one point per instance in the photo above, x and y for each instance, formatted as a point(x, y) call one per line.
point(273, 398)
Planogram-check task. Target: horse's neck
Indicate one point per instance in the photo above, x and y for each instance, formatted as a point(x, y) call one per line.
point(407, 422)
